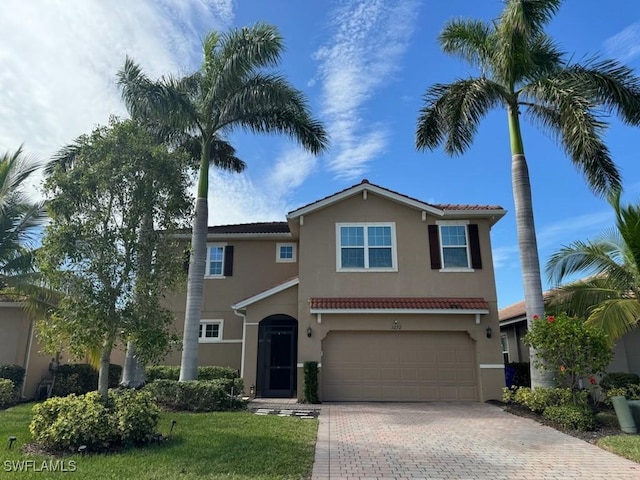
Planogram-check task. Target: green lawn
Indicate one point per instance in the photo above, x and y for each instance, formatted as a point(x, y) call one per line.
point(627, 446)
point(226, 445)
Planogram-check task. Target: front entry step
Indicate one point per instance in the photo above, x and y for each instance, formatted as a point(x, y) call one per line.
point(298, 413)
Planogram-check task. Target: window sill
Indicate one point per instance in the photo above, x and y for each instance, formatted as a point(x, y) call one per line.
point(209, 340)
point(214, 277)
point(457, 269)
point(365, 270)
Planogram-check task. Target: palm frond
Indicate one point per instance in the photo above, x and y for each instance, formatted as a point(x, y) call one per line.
point(235, 56)
point(616, 317)
point(526, 18)
point(579, 298)
point(467, 39)
point(267, 104)
point(452, 113)
point(587, 258)
point(610, 84)
point(572, 119)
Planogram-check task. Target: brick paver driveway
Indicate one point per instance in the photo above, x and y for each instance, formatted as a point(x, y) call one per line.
point(452, 441)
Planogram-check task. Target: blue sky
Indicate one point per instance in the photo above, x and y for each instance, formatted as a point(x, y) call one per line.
point(364, 66)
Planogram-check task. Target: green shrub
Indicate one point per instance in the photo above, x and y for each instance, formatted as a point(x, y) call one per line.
point(311, 382)
point(78, 379)
point(164, 372)
point(7, 392)
point(128, 417)
point(65, 423)
point(81, 378)
point(618, 380)
point(571, 417)
point(569, 348)
point(15, 373)
point(135, 415)
point(195, 396)
point(522, 376)
point(539, 398)
point(630, 392)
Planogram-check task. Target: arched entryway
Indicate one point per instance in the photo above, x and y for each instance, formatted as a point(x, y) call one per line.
point(277, 356)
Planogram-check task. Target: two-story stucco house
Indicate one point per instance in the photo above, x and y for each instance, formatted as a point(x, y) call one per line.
point(394, 297)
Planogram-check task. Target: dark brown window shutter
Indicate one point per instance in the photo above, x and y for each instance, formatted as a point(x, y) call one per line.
point(434, 247)
point(228, 261)
point(474, 246)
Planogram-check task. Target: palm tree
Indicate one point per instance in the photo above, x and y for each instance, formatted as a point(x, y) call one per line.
point(523, 71)
point(609, 293)
point(20, 221)
point(231, 89)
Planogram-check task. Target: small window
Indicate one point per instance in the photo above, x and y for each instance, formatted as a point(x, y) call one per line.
point(504, 342)
point(453, 239)
point(215, 261)
point(366, 247)
point(210, 331)
point(285, 252)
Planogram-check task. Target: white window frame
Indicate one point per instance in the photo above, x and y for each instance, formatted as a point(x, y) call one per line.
point(208, 262)
point(506, 338)
point(454, 223)
point(366, 268)
point(280, 259)
point(217, 339)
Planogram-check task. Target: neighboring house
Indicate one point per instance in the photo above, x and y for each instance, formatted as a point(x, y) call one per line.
point(18, 345)
point(391, 295)
point(513, 328)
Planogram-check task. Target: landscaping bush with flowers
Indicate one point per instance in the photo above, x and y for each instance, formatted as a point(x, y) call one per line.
point(569, 348)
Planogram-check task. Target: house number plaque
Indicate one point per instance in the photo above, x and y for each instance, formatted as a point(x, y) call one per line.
point(396, 325)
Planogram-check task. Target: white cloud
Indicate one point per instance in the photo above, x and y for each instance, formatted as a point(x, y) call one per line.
point(59, 60)
point(624, 45)
point(368, 39)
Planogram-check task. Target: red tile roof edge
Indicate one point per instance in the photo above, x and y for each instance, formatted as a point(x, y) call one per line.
point(391, 303)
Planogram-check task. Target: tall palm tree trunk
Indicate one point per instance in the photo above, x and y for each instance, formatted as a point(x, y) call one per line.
point(133, 375)
point(528, 245)
point(195, 280)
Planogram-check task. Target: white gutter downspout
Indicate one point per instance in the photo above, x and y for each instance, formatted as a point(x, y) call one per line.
point(27, 358)
point(244, 339)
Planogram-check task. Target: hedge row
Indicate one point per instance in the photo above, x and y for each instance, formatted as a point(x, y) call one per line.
point(196, 396)
point(80, 378)
point(163, 372)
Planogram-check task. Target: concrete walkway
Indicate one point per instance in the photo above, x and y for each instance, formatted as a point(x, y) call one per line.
point(452, 441)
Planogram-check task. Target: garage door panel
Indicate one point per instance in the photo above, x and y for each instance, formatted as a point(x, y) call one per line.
point(398, 366)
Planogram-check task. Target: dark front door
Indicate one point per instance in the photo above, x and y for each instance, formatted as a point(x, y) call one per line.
point(277, 354)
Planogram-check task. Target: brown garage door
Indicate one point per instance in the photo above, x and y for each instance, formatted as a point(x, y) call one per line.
point(398, 366)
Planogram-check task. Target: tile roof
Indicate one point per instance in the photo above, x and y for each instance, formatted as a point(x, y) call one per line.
point(404, 303)
point(260, 227)
point(441, 206)
point(512, 311)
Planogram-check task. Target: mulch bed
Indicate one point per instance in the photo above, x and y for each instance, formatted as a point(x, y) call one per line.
point(591, 437)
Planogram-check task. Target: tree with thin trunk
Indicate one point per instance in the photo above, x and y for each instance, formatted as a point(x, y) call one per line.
point(524, 72)
point(103, 249)
point(608, 294)
point(234, 88)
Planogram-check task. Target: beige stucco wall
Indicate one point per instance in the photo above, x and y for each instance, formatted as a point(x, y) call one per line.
point(413, 278)
point(254, 270)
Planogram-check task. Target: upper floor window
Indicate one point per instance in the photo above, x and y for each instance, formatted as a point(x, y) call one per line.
point(219, 261)
point(454, 246)
point(455, 252)
point(210, 331)
point(366, 246)
point(285, 252)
